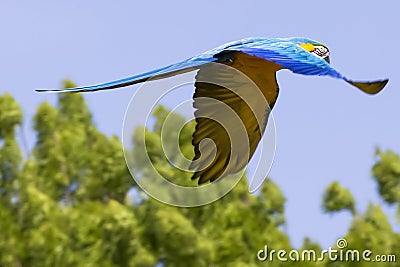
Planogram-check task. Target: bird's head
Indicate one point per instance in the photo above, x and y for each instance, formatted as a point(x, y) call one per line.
point(319, 50)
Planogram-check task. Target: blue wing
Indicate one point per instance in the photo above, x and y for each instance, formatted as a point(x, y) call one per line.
point(283, 51)
point(288, 54)
point(295, 59)
point(168, 71)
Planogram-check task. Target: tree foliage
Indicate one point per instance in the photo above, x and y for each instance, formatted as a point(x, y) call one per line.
point(337, 198)
point(387, 174)
point(70, 202)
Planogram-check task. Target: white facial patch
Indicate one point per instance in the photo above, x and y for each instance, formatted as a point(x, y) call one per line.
point(321, 51)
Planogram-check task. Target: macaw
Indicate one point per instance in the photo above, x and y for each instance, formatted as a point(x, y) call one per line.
point(257, 58)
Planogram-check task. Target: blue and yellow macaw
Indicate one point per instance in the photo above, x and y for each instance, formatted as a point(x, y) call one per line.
point(259, 59)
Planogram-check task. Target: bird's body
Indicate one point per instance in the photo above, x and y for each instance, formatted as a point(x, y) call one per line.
point(250, 95)
point(257, 58)
point(261, 72)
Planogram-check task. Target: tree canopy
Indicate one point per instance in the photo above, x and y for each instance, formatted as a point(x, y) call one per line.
point(72, 202)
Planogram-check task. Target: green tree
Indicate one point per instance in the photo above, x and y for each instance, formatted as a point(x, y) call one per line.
point(10, 154)
point(74, 161)
point(228, 232)
point(337, 198)
point(386, 172)
point(67, 204)
point(371, 230)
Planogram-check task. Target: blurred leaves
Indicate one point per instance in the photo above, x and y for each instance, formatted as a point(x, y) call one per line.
point(10, 115)
point(387, 174)
point(337, 198)
point(72, 202)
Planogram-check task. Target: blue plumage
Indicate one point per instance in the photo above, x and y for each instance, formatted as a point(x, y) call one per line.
point(258, 59)
point(286, 52)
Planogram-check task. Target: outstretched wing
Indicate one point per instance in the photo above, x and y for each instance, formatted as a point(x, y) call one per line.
point(232, 108)
point(285, 52)
point(186, 65)
point(165, 72)
point(293, 57)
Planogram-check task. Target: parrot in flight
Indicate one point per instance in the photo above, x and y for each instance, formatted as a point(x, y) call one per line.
point(257, 58)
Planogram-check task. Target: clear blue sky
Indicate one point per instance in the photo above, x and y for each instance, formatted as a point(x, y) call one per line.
point(326, 130)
